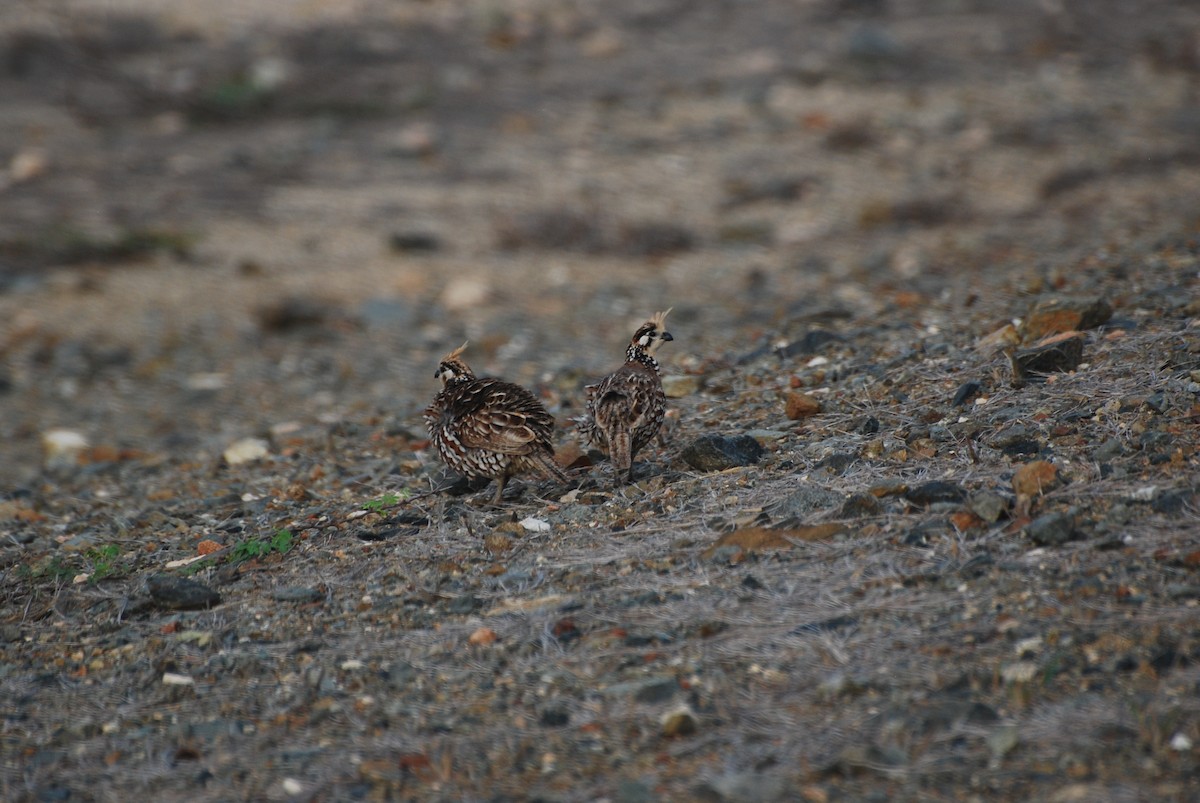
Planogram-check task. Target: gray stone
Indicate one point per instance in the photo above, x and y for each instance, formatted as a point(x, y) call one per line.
point(1109, 450)
point(743, 787)
point(988, 505)
point(803, 502)
point(656, 689)
point(718, 452)
point(1052, 529)
point(180, 593)
point(930, 493)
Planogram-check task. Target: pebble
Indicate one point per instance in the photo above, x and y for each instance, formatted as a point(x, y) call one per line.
point(1052, 529)
point(298, 594)
point(246, 450)
point(482, 637)
point(801, 405)
point(535, 525)
point(966, 391)
point(1064, 354)
point(174, 679)
point(465, 292)
point(988, 505)
point(718, 452)
point(656, 689)
point(1035, 478)
point(61, 447)
point(1109, 450)
point(414, 242)
point(27, 164)
point(679, 721)
point(1065, 315)
point(930, 493)
point(676, 387)
point(858, 505)
point(180, 593)
point(743, 787)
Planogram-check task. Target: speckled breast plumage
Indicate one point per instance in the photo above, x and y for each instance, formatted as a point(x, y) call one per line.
point(486, 427)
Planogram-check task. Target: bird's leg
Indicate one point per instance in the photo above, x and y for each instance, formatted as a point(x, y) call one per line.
point(500, 482)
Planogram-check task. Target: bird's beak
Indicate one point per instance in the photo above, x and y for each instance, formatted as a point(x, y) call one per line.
point(667, 336)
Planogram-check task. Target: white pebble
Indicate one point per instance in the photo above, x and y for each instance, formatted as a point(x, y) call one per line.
point(246, 450)
point(62, 446)
point(535, 525)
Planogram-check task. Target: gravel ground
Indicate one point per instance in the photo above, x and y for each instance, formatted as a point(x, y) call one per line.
point(924, 521)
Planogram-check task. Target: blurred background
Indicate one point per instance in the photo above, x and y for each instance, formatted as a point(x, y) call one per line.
point(218, 218)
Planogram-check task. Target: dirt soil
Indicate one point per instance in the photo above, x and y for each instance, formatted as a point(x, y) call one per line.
point(939, 262)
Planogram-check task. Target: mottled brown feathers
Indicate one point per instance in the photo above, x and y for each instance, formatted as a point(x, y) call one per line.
point(625, 409)
point(485, 427)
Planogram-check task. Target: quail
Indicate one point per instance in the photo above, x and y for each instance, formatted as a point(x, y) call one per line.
point(486, 427)
point(625, 409)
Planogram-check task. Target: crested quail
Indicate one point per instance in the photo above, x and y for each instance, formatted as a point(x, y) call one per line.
point(625, 409)
point(485, 427)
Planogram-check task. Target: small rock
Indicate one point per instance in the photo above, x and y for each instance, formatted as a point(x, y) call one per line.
point(1063, 353)
point(858, 505)
point(743, 787)
point(535, 525)
point(830, 625)
point(634, 792)
point(414, 140)
point(1181, 742)
point(603, 43)
point(482, 637)
point(465, 292)
point(298, 594)
point(289, 314)
point(1109, 450)
point(657, 689)
point(246, 450)
point(1034, 479)
point(1065, 315)
point(1052, 529)
point(174, 679)
point(61, 447)
point(966, 391)
point(27, 164)
point(813, 340)
point(717, 452)
point(555, 717)
point(10, 634)
point(180, 593)
point(678, 722)
point(414, 242)
point(801, 405)
point(1002, 741)
point(988, 505)
point(930, 493)
point(764, 436)
point(676, 387)
point(761, 539)
point(1019, 672)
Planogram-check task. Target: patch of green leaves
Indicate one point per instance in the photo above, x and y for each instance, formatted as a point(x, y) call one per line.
point(253, 548)
point(385, 501)
point(104, 562)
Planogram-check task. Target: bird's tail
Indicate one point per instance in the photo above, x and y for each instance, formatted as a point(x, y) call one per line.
point(550, 466)
point(620, 452)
